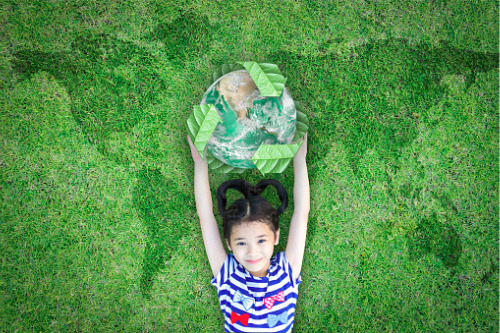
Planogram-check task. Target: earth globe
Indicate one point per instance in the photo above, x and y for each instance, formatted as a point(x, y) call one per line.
point(248, 119)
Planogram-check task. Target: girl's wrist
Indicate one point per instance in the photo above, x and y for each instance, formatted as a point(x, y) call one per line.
point(200, 163)
point(299, 161)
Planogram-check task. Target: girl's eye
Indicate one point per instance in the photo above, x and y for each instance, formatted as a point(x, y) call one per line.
point(262, 241)
point(240, 244)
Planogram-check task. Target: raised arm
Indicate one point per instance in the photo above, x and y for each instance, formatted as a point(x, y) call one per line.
point(211, 236)
point(301, 199)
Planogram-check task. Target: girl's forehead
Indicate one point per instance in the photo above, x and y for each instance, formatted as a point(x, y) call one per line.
point(251, 227)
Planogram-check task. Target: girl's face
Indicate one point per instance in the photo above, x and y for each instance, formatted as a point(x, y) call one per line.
point(253, 246)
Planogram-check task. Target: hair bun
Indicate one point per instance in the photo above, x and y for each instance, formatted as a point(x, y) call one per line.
point(249, 191)
point(282, 194)
point(237, 184)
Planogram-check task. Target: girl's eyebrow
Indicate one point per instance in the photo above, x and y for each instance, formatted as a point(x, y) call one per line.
point(241, 238)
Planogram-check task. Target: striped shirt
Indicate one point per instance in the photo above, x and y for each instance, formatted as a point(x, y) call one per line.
point(257, 304)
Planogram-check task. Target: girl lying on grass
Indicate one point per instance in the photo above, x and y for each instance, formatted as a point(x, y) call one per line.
point(257, 291)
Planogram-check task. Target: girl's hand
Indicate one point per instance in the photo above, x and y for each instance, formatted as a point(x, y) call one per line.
point(195, 154)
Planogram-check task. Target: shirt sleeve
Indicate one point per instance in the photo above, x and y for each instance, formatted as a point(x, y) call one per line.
point(228, 267)
point(283, 262)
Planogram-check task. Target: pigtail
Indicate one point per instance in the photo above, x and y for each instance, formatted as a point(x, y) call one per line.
point(237, 184)
point(282, 194)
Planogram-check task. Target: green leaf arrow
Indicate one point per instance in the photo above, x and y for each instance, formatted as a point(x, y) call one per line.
point(201, 124)
point(274, 158)
point(302, 123)
point(267, 77)
point(218, 166)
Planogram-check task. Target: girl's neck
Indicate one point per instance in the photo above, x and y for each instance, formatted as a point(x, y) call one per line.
point(261, 273)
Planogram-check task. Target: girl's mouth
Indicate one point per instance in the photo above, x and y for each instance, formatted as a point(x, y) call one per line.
point(254, 261)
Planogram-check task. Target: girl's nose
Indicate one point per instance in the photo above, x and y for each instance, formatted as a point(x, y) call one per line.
point(251, 249)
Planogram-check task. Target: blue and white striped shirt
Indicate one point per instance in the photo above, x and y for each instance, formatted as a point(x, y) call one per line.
point(257, 304)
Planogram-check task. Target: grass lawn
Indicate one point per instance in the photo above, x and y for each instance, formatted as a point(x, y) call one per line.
point(98, 226)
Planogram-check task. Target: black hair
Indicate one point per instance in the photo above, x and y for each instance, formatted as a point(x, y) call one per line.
point(251, 208)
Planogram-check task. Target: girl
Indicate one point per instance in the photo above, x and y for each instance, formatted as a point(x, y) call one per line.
point(257, 291)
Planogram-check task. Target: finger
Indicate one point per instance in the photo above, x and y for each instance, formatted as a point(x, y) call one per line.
point(304, 140)
point(191, 144)
point(194, 151)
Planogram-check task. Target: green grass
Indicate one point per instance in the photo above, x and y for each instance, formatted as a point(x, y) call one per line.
point(98, 226)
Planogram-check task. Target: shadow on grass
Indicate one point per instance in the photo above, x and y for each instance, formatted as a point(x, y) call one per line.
point(111, 84)
point(376, 98)
point(187, 37)
point(437, 238)
point(160, 205)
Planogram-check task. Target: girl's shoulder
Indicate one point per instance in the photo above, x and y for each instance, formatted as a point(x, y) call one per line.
point(281, 259)
point(229, 268)
point(284, 269)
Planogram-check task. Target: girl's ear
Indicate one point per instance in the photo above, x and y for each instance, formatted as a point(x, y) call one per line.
point(228, 246)
point(277, 236)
